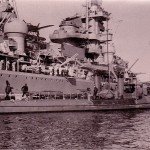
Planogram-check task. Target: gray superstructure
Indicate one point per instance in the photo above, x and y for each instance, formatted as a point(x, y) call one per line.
point(25, 57)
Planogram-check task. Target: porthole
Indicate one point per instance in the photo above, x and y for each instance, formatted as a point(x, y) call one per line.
point(1, 75)
point(8, 75)
point(16, 76)
point(26, 77)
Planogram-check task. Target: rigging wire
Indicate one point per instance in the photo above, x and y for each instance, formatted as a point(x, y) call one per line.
point(15, 7)
point(117, 27)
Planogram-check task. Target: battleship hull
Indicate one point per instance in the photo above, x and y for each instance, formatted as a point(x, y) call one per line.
point(41, 83)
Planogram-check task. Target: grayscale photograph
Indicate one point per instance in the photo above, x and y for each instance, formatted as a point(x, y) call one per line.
point(74, 74)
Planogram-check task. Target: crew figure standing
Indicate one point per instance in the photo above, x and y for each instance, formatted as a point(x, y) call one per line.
point(24, 90)
point(89, 94)
point(8, 91)
point(95, 92)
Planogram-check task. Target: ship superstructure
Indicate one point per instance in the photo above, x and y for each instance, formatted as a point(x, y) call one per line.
point(86, 57)
point(88, 36)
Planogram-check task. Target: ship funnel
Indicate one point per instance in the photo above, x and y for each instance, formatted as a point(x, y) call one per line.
point(17, 30)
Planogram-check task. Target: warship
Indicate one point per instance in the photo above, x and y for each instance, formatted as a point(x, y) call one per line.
point(83, 74)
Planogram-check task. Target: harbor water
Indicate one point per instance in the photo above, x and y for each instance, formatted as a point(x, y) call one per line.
point(109, 130)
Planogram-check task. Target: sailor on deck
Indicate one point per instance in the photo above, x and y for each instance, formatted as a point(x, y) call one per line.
point(7, 65)
point(89, 94)
point(14, 66)
point(8, 90)
point(1, 64)
point(95, 92)
point(24, 90)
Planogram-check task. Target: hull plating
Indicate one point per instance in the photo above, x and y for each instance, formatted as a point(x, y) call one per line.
point(39, 83)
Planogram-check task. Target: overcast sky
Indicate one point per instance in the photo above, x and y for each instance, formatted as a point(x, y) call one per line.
point(130, 21)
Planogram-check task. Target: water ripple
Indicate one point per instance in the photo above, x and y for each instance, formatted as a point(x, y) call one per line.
point(111, 130)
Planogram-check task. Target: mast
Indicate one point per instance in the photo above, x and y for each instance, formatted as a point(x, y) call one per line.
point(87, 18)
point(107, 32)
point(95, 16)
point(15, 8)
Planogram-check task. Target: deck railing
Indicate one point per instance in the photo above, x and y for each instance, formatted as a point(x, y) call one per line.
point(53, 95)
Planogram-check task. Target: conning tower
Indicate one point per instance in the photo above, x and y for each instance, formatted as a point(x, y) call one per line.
point(86, 31)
